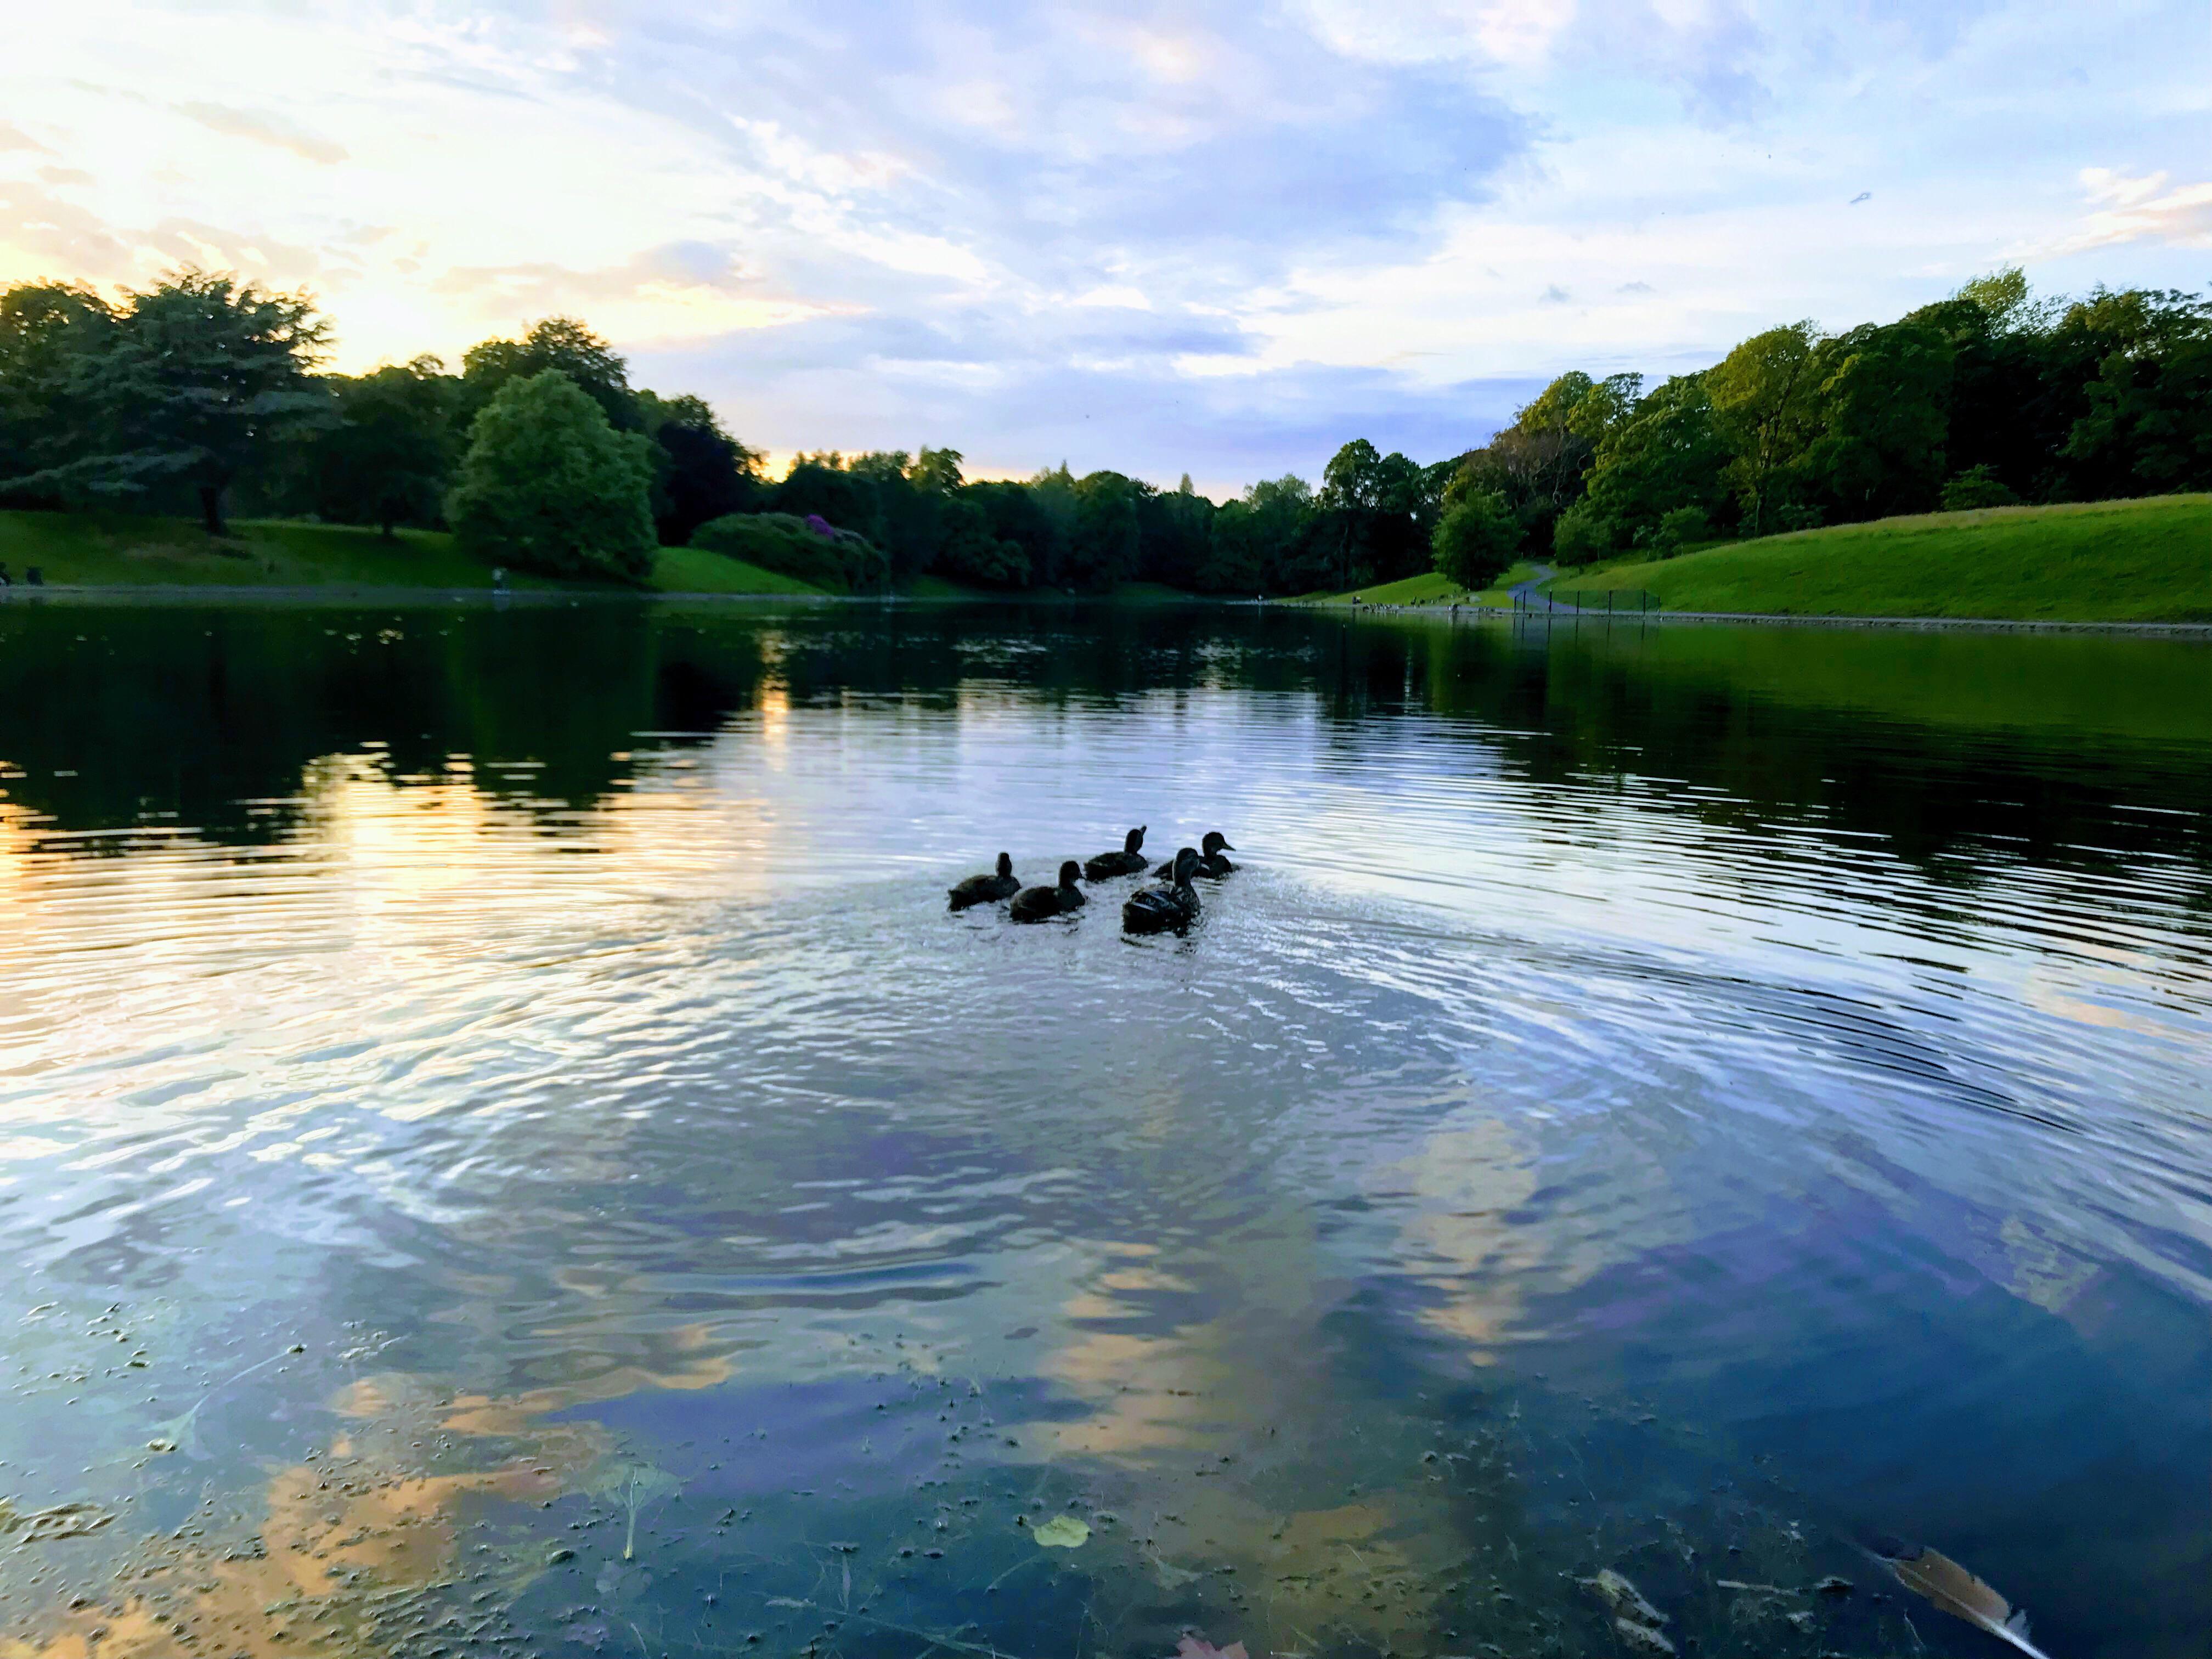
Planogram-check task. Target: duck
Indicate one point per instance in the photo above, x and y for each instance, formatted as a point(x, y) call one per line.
point(1166, 905)
point(1127, 862)
point(986, 889)
point(1042, 903)
point(1210, 861)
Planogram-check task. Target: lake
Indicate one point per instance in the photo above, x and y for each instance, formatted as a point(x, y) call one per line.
point(504, 1151)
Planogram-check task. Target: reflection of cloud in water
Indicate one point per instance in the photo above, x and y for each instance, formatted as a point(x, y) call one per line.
point(1202, 1419)
point(342, 1542)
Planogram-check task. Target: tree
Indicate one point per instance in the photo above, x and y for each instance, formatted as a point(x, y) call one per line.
point(1975, 488)
point(385, 459)
point(970, 552)
point(1884, 410)
point(1102, 551)
point(561, 342)
point(1476, 538)
point(935, 470)
point(549, 485)
point(1670, 453)
point(199, 380)
point(1765, 393)
point(2147, 425)
point(46, 331)
point(1376, 510)
point(701, 472)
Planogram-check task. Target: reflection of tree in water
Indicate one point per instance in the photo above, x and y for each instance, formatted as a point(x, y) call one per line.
point(210, 714)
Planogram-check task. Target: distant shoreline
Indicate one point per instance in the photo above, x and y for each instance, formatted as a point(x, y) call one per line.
point(1567, 616)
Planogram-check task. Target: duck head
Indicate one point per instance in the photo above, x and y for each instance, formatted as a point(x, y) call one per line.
point(1006, 865)
point(1068, 872)
point(1186, 866)
point(1134, 839)
point(1217, 842)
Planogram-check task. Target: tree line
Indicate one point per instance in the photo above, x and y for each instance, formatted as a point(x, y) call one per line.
point(206, 394)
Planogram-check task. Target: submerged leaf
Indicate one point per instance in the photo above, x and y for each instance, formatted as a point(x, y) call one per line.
point(633, 1486)
point(1197, 1647)
point(1063, 1531)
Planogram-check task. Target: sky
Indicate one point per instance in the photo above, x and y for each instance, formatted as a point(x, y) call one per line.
point(1205, 239)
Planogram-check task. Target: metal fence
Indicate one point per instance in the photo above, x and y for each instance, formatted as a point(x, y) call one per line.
point(1586, 602)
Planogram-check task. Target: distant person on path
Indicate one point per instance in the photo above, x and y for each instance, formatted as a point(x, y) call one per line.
point(6, 581)
point(34, 577)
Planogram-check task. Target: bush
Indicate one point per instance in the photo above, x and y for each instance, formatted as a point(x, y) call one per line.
point(1977, 487)
point(1476, 538)
point(1583, 535)
point(1685, 527)
point(549, 486)
point(838, 561)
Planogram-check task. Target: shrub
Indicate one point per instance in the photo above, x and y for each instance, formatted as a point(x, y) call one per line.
point(838, 562)
point(1583, 535)
point(549, 486)
point(1977, 487)
point(1685, 527)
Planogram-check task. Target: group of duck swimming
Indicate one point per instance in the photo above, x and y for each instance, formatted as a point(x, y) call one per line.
point(1168, 904)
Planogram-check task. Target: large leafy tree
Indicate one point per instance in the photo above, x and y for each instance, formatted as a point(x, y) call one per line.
point(1103, 549)
point(46, 329)
point(702, 473)
point(1765, 395)
point(1671, 453)
point(560, 342)
point(550, 485)
point(385, 459)
point(1884, 404)
point(200, 379)
point(1476, 538)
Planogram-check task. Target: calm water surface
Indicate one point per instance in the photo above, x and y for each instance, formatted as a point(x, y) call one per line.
point(503, 1151)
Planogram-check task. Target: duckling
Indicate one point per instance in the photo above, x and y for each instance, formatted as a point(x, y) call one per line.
point(1172, 905)
point(984, 890)
point(1127, 862)
point(1210, 861)
point(1042, 903)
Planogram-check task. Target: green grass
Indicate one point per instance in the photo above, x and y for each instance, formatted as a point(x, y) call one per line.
point(1428, 588)
point(695, 570)
point(116, 550)
point(2136, 561)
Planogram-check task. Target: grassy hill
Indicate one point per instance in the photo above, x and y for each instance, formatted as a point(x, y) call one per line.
point(2148, 560)
point(114, 550)
point(1430, 587)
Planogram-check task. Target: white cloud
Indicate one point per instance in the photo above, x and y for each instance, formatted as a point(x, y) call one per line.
point(2133, 210)
point(1033, 229)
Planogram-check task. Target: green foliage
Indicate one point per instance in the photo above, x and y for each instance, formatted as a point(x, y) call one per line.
point(1977, 487)
point(1583, 535)
point(199, 380)
point(47, 329)
point(385, 459)
point(1765, 400)
point(2005, 394)
point(1884, 399)
point(548, 485)
point(1671, 452)
point(1248, 539)
point(557, 342)
point(1477, 538)
point(1103, 550)
point(1681, 527)
point(841, 562)
point(971, 551)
